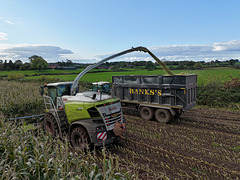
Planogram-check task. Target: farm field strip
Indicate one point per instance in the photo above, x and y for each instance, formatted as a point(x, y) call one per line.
point(203, 75)
point(182, 139)
point(231, 127)
point(180, 152)
point(177, 158)
point(189, 137)
point(216, 114)
point(225, 123)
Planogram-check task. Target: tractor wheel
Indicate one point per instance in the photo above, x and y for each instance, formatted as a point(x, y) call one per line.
point(50, 125)
point(80, 139)
point(146, 113)
point(163, 115)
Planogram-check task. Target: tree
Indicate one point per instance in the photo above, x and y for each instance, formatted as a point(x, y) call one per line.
point(25, 66)
point(1, 66)
point(198, 65)
point(17, 64)
point(5, 65)
point(69, 63)
point(232, 62)
point(39, 63)
point(33, 57)
point(150, 66)
point(10, 65)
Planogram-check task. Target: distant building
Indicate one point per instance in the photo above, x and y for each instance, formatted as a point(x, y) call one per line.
point(53, 65)
point(103, 66)
point(56, 66)
point(66, 68)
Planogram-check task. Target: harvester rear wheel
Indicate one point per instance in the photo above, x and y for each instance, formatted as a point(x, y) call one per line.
point(146, 113)
point(50, 125)
point(80, 139)
point(163, 115)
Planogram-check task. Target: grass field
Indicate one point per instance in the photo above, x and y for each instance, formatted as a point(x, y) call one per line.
point(43, 72)
point(222, 74)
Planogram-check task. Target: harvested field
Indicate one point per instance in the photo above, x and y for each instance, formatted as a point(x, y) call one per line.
point(201, 144)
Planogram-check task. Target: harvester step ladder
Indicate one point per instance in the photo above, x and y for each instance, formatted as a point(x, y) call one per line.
point(49, 105)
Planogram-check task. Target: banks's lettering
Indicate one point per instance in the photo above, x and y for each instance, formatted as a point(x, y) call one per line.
point(151, 92)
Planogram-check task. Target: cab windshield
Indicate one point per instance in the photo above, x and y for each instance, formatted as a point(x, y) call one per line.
point(64, 89)
point(104, 87)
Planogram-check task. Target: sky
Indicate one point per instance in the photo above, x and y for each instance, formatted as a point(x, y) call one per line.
point(86, 31)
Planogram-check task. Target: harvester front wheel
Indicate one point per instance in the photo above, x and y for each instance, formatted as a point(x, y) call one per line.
point(146, 113)
point(50, 125)
point(80, 139)
point(163, 115)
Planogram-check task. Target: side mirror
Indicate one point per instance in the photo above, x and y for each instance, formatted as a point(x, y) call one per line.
point(41, 90)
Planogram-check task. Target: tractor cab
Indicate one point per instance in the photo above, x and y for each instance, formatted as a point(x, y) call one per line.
point(102, 86)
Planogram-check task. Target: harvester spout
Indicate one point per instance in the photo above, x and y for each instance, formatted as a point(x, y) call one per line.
point(90, 67)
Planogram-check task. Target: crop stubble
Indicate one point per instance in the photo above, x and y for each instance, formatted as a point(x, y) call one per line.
point(202, 143)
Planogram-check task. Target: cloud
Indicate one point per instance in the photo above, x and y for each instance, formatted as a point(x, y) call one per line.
point(206, 52)
point(9, 22)
point(3, 36)
point(227, 46)
point(24, 51)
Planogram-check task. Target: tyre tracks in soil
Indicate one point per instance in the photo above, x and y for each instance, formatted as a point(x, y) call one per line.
point(221, 122)
point(211, 120)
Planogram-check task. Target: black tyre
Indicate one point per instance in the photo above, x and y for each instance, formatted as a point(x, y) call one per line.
point(80, 139)
point(163, 115)
point(177, 114)
point(50, 125)
point(146, 113)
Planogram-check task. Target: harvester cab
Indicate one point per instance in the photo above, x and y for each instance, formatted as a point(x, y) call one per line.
point(55, 91)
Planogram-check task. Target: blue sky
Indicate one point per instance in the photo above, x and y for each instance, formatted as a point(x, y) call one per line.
point(87, 31)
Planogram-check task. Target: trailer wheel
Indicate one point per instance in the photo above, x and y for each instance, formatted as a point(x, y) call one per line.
point(50, 125)
point(80, 139)
point(163, 115)
point(146, 113)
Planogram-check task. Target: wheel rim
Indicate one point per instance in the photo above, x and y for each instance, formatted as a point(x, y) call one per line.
point(146, 113)
point(162, 115)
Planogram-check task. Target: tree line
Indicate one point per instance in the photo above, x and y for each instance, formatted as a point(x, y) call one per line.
point(35, 63)
point(173, 65)
point(38, 63)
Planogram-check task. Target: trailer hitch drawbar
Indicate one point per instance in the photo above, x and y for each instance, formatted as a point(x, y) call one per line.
point(25, 117)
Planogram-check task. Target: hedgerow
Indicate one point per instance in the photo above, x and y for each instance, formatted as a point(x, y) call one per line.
point(218, 94)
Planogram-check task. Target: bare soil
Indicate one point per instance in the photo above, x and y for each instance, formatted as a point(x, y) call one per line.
point(201, 144)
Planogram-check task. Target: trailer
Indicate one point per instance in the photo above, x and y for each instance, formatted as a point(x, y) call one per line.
point(161, 96)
